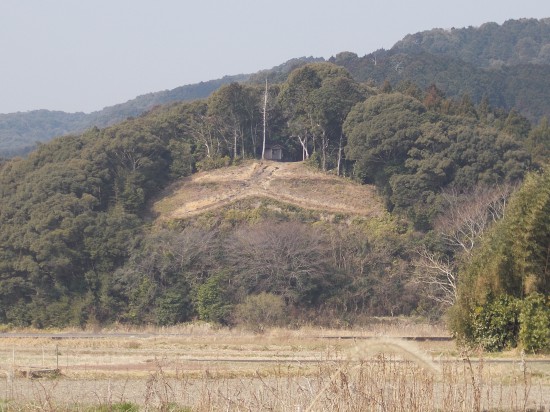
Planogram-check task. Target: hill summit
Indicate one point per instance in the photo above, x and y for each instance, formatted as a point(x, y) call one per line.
point(293, 183)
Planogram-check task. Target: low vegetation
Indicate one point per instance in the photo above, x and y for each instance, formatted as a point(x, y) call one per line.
point(195, 368)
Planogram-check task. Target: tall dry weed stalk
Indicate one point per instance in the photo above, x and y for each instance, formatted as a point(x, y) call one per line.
point(403, 381)
point(159, 393)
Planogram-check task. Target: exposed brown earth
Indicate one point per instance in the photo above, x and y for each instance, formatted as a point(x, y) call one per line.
point(292, 183)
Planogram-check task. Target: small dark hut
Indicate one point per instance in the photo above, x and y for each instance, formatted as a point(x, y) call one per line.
point(274, 152)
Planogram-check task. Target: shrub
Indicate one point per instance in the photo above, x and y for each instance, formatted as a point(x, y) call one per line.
point(260, 311)
point(212, 300)
point(534, 333)
point(495, 325)
point(211, 163)
point(173, 307)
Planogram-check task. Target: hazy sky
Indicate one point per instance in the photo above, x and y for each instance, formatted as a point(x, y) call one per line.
point(83, 55)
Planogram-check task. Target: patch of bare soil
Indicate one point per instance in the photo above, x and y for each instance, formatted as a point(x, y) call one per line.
point(292, 183)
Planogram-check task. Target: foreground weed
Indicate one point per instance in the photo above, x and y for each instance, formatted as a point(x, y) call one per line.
point(117, 407)
point(160, 394)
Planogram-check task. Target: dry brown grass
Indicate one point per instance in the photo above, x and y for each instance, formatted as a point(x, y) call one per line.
point(292, 183)
point(203, 369)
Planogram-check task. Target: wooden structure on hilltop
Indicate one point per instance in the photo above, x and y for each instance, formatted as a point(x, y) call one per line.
point(274, 152)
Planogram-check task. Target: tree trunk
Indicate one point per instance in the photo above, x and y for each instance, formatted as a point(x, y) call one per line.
point(339, 155)
point(303, 142)
point(235, 143)
point(324, 144)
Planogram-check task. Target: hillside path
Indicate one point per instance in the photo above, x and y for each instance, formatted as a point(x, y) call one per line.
point(292, 183)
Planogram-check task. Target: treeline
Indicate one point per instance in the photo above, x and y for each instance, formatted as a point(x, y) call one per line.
point(515, 42)
point(76, 247)
point(20, 132)
point(506, 64)
point(520, 87)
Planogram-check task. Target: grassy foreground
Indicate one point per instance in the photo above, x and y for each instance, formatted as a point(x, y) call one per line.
point(197, 368)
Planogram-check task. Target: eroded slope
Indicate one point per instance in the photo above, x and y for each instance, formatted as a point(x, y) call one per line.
point(292, 183)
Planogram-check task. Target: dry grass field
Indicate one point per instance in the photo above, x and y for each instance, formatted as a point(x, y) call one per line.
point(197, 368)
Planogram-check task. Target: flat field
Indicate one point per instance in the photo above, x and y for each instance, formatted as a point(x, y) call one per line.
point(198, 368)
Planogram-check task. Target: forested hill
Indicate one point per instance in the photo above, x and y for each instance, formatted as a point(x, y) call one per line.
point(19, 132)
point(509, 64)
point(77, 245)
point(515, 42)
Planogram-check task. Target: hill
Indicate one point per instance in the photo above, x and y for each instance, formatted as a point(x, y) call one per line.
point(515, 42)
point(509, 64)
point(79, 244)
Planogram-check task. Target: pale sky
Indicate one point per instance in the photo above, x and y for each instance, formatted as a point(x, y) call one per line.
point(83, 55)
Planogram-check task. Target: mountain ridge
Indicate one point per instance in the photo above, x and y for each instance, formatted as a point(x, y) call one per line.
point(509, 64)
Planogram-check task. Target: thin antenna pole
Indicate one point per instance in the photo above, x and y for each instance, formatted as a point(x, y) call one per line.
point(264, 113)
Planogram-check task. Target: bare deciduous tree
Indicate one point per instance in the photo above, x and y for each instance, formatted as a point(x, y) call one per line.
point(285, 258)
point(264, 114)
point(466, 219)
point(438, 274)
point(468, 216)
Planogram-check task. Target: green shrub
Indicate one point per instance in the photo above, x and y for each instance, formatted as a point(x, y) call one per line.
point(174, 306)
point(211, 163)
point(495, 326)
point(534, 333)
point(212, 300)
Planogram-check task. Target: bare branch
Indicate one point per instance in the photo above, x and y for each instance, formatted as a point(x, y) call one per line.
point(469, 215)
point(437, 274)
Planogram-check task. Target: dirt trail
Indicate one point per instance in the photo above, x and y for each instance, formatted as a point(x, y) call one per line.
point(292, 183)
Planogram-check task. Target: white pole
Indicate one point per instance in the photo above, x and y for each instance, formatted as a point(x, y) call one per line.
point(264, 113)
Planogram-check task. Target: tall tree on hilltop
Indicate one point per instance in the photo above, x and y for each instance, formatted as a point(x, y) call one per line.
point(234, 106)
point(302, 103)
point(332, 103)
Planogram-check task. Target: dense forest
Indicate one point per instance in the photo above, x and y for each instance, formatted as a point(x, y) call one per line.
point(506, 64)
point(464, 186)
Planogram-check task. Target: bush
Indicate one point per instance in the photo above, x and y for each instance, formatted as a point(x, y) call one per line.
point(495, 326)
point(211, 163)
point(534, 333)
point(173, 307)
point(212, 300)
point(506, 322)
point(260, 311)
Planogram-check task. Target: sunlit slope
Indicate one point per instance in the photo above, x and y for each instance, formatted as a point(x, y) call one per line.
point(291, 183)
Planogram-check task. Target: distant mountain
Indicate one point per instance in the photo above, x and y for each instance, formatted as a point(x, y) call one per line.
point(509, 64)
point(19, 132)
point(491, 45)
point(525, 87)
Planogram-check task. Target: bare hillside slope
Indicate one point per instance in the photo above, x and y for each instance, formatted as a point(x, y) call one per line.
point(292, 183)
